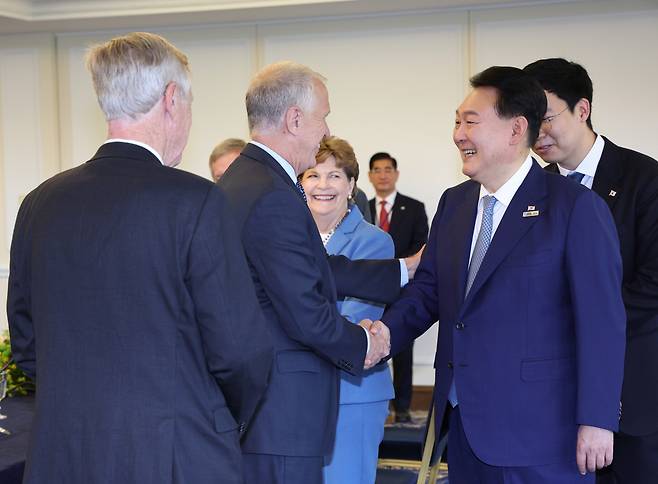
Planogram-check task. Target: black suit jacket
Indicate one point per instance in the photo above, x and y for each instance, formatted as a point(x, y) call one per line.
point(408, 226)
point(131, 301)
point(628, 182)
point(296, 291)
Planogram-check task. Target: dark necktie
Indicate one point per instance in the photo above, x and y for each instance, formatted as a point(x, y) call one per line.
point(383, 217)
point(575, 176)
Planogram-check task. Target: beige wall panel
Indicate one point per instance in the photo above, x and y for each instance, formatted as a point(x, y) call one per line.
point(618, 48)
point(28, 130)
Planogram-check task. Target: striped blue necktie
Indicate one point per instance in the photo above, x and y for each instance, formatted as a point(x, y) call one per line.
point(480, 250)
point(575, 176)
point(301, 190)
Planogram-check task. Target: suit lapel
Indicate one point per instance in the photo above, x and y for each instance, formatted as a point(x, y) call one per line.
point(513, 225)
point(458, 245)
point(607, 179)
point(397, 214)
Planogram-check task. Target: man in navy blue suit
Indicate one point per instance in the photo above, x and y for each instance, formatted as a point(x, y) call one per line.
point(294, 427)
point(130, 299)
point(522, 270)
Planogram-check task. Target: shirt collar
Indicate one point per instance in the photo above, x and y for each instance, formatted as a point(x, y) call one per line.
point(390, 200)
point(591, 161)
point(138, 143)
point(505, 193)
point(279, 159)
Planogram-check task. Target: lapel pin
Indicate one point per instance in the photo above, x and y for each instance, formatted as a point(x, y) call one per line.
point(531, 212)
point(402, 207)
point(612, 193)
point(531, 207)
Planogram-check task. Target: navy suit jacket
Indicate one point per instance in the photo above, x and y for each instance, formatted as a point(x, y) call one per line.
point(537, 347)
point(296, 291)
point(131, 301)
point(628, 182)
point(408, 226)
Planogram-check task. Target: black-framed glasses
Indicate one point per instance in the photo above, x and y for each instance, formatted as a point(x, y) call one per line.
point(549, 119)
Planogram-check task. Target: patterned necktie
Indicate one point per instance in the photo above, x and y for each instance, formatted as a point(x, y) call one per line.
point(481, 246)
point(301, 190)
point(575, 176)
point(483, 240)
point(383, 217)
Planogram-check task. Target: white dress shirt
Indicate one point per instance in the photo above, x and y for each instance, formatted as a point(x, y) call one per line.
point(138, 143)
point(390, 201)
point(504, 197)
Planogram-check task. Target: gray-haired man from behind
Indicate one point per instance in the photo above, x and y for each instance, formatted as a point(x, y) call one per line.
point(130, 298)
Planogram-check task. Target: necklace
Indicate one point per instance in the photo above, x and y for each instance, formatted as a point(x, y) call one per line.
point(325, 237)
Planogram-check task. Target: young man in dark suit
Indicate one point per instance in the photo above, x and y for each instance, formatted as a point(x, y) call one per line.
point(522, 271)
point(130, 299)
point(405, 220)
point(628, 182)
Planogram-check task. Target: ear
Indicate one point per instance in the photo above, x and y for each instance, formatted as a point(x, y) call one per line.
point(352, 183)
point(519, 130)
point(169, 96)
point(583, 109)
point(293, 119)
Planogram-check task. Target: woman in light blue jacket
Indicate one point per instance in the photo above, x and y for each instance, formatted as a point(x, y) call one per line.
point(330, 187)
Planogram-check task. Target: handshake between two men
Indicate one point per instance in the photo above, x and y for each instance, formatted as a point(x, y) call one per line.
point(380, 342)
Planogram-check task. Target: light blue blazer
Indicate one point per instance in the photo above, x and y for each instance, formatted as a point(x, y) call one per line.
point(357, 239)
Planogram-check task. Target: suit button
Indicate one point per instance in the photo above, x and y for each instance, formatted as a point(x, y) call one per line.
point(459, 325)
point(242, 427)
point(450, 365)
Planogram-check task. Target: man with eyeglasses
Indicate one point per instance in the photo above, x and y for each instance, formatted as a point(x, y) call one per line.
point(405, 220)
point(628, 182)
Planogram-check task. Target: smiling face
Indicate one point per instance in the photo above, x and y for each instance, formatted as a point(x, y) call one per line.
point(486, 142)
point(327, 190)
point(564, 137)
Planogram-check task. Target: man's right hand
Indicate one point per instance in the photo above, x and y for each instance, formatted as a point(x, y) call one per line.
point(380, 342)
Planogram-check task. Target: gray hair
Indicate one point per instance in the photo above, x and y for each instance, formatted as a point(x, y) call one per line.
point(226, 146)
point(130, 73)
point(276, 88)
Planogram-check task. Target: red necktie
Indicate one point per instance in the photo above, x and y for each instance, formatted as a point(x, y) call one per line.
point(383, 217)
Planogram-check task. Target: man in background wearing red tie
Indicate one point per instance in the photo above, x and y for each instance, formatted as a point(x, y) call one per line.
point(404, 218)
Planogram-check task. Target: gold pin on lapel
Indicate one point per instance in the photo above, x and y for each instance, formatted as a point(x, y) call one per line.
point(612, 193)
point(531, 212)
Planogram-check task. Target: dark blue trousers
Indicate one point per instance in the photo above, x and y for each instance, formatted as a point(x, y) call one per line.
point(465, 468)
point(281, 469)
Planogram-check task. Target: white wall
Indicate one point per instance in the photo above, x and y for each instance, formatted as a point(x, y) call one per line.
point(394, 83)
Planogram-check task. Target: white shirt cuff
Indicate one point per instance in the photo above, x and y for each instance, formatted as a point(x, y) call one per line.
point(404, 273)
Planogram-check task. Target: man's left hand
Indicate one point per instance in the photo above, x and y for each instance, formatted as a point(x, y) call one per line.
point(593, 448)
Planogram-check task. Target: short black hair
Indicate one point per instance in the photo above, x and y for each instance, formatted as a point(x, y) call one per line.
point(519, 94)
point(567, 80)
point(382, 155)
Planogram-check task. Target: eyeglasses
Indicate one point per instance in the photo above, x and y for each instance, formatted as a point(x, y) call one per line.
point(546, 122)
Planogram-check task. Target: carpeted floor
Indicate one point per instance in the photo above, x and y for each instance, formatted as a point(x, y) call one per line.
point(401, 451)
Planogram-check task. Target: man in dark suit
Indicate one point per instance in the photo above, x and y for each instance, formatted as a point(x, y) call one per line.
point(130, 298)
point(628, 182)
point(522, 270)
point(294, 428)
point(404, 218)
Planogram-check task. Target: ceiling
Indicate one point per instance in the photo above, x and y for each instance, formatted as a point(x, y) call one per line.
point(25, 16)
